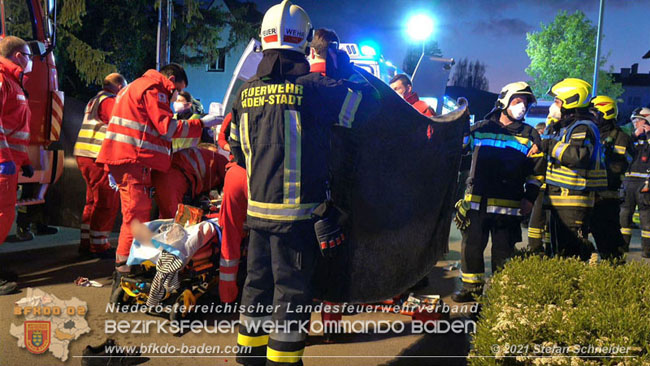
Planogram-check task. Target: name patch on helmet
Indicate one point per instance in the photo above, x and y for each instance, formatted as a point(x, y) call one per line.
point(293, 35)
point(270, 35)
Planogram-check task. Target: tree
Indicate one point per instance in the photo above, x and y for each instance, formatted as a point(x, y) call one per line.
point(566, 48)
point(470, 74)
point(99, 37)
point(415, 51)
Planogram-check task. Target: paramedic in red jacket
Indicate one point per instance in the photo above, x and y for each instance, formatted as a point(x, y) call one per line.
point(232, 215)
point(138, 140)
point(403, 86)
point(15, 60)
point(195, 170)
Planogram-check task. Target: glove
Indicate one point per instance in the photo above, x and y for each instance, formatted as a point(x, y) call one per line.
point(28, 171)
point(328, 231)
point(461, 220)
point(112, 183)
point(211, 120)
point(8, 168)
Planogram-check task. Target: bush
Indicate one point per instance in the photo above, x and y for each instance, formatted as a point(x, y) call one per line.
point(551, 303)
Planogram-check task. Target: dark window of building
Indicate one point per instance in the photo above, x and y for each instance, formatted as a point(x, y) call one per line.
point(220, 64)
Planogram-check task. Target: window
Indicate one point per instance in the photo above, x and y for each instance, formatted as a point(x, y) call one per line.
point(220, 64)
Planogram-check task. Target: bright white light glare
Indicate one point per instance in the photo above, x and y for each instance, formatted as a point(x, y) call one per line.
point(389, 64)
point(419, 27)
point(368, 51)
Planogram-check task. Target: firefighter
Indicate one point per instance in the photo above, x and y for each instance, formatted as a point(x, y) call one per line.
point(102, 201)
point(501, 187)
point(15, 61)
point(194, 171)
point(636, 183)
point(138, 140)
point(280, 131)
point(232, 216)
point(403, 86)
point(605, 225)
point(574, 170)
point(539, 238)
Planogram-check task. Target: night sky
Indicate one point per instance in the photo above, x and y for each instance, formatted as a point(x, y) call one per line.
point(493, 31)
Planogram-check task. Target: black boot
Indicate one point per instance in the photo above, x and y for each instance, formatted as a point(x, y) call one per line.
point(467, 294)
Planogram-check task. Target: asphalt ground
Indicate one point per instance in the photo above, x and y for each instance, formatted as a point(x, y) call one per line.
point(51, 263)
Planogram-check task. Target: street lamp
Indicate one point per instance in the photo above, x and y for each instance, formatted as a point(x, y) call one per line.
point(419, 28)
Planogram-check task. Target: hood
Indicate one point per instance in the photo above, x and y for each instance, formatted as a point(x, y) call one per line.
point(160, 79)
point(282, 63)
point(11, 68)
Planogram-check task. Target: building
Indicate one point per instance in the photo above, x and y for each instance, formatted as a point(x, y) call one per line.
point(637, 90)
point(208, 83)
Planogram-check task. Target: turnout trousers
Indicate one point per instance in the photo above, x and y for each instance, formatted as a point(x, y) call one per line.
point(538, 235)
point(505, 231)
point(280, 268)
point(569, 230)
point(101, 208)
point(633, 198)
point(606, 229)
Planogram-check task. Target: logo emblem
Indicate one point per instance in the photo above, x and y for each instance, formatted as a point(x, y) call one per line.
point(37, 336)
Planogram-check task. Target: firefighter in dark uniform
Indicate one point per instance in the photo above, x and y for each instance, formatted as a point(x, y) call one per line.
point(574, 170)
point(636, 183)
point(605, 226)
point(280, 132)
point(501, 187)
point(539, 239)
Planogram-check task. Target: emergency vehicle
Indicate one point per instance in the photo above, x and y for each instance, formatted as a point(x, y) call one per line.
point(35, 22)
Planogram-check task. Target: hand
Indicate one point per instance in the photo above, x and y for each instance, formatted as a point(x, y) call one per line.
point(226, 147)
point(8, 168)
point(525, 207)
point(211, 120)
point(328, 232)
point(28, 171)
point(533, 150)
point(228, 291)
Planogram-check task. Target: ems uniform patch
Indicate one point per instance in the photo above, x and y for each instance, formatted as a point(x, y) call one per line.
point(162, 97)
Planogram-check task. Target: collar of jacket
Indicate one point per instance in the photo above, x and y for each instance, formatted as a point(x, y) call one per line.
point(578, 114)
point(160, 79)
point(11, 68)
point(281, 63)
point(514, 126)
point(320, 67)
point(412, 98)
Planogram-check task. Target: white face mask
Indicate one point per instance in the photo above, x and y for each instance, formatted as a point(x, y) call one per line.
point(28, 67)
point(517, 111)
point(179, 107)
point(554, 112)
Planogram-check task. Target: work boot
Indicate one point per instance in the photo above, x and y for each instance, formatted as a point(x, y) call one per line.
point(24, 234)
point(42, 229)
point(467, 294)
point(7, 287)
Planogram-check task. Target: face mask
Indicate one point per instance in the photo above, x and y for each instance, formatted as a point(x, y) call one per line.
point(28, 67)
point(179, 107)
point(554, 112)
point(517, 111)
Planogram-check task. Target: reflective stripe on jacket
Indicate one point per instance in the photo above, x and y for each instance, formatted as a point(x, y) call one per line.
point(14, 115)
point(93, 129)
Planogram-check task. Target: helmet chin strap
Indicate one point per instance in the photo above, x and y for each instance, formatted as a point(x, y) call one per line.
point(505, 111)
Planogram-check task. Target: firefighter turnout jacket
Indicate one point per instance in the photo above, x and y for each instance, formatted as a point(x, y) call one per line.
point(93, 128)
point(502, 171)
point(15, 115)
point(287, 180)
point(617, 151)
point(640, 167)
point(575, 168)
point(142, 125)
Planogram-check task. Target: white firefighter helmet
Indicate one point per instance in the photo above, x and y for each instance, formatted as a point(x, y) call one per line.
point(287, 27)
point(512, 89)
point(642, 113)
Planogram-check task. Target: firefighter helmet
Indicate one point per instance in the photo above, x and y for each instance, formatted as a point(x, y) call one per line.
point(574, 93)
point(606, 106)
point(286, 26)
point(512, 89)
point(642, 113)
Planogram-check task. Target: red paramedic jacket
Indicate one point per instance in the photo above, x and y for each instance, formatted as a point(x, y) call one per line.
point(14, 115)
point(142, 125)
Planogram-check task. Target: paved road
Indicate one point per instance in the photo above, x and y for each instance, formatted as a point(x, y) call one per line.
point(51, 264)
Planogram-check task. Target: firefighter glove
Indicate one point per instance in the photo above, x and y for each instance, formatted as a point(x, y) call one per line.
point(328, 231)
point(28, 171)
point(461, 220)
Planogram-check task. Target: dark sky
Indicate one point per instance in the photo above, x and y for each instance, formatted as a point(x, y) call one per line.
point(493, 31)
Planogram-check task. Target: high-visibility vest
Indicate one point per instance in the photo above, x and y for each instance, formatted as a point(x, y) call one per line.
point(93, 129)
point(182, 143)
point(594, 178)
